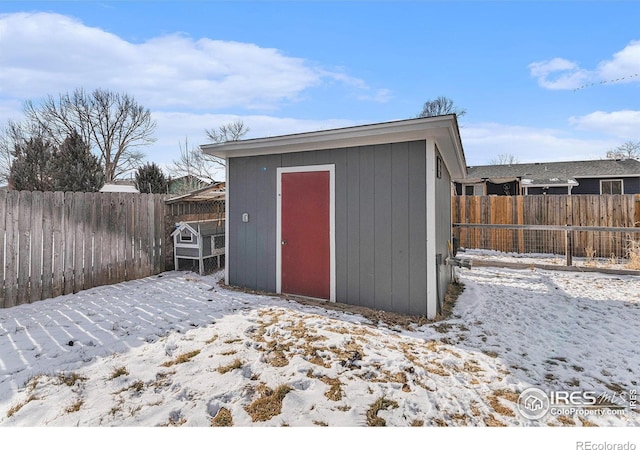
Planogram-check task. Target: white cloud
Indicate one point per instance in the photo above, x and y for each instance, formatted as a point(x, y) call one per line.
point(624, 67)
point(45, 53)
point(484, 141)
point(559, 73)
point(623, 124)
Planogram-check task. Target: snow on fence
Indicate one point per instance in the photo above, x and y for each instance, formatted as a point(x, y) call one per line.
point(55, 243)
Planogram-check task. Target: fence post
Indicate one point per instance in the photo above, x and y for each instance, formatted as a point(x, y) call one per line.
point(568, 240)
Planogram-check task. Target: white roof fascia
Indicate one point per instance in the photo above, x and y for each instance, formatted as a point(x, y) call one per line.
point(608, 176)
point(442, 129)
point(181, 226)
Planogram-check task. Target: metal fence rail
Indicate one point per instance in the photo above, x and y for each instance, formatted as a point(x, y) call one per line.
point(619, 245)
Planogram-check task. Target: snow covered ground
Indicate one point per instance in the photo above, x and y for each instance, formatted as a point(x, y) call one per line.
point(179, 350)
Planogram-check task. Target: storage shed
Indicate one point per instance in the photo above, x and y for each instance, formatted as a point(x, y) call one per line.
point(198, 241)
point(358, 215)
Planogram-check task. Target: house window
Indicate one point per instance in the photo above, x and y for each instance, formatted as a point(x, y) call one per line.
point(468, 189)
point(611, 187)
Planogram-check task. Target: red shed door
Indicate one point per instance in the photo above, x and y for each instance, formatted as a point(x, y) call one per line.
point(305, 234)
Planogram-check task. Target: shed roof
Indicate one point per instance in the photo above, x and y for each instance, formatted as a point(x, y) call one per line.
point(443, 129)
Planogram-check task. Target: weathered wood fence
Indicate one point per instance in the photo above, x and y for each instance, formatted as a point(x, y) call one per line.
point(54, 243)
point(572, 210)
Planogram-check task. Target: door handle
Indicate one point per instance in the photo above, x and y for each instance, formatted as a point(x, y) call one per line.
point(284, 242)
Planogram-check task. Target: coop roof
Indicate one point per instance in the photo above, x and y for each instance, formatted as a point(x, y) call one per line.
point(207, 227)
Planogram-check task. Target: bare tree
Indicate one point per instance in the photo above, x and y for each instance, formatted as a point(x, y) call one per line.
point(114, 124)
point(440, 107)
point(628, 150)
point(192, 162)
point(233, 131)
point(504, 160)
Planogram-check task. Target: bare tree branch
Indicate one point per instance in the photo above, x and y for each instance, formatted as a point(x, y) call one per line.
point(504, 160)
point(233, 131)
point(439, 107)
point(113, 123)
point(194, 163)
point(628, 150)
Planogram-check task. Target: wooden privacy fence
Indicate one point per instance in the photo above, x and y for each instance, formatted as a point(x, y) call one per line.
point(595, 211)
point(54, 243)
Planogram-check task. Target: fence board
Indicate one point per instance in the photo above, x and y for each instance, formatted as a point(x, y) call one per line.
point(113, 240)
point(142, 233)
point(159, 235)
point(47, 245)
point(102, 264)
point(78, 245)
point(88, 218)
point(68, 243)
point(35, 279)
point(24, 249)
point(128, 241)
point(120, 238)
point(11, 271)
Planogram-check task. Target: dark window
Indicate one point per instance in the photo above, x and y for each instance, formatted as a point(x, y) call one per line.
point(468, 190)
point(611, 186)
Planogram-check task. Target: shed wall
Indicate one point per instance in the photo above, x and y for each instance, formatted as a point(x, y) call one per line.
point(443, 229)
point(380, 209)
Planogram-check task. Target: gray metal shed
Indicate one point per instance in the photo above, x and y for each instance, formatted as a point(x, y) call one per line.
point(359, 215)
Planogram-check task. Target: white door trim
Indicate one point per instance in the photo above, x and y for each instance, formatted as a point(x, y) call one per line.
point(332, 220)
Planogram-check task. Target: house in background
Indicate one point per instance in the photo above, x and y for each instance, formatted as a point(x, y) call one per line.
point(605, 176)
point(358, 215)
point(126, 185)
point(185, 184)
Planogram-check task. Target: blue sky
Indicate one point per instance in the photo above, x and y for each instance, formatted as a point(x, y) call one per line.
point(286, 67)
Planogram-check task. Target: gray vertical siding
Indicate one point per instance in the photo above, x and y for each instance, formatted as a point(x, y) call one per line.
point(417, 229)
point(363, 245)
point(380, 222)
point(383, 184)
point(252, 183)
point(443, 228)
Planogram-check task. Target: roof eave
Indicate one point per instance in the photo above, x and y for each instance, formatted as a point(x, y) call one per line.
point(443, 129)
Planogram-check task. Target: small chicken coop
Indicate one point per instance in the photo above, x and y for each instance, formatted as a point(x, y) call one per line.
point(202, 241)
